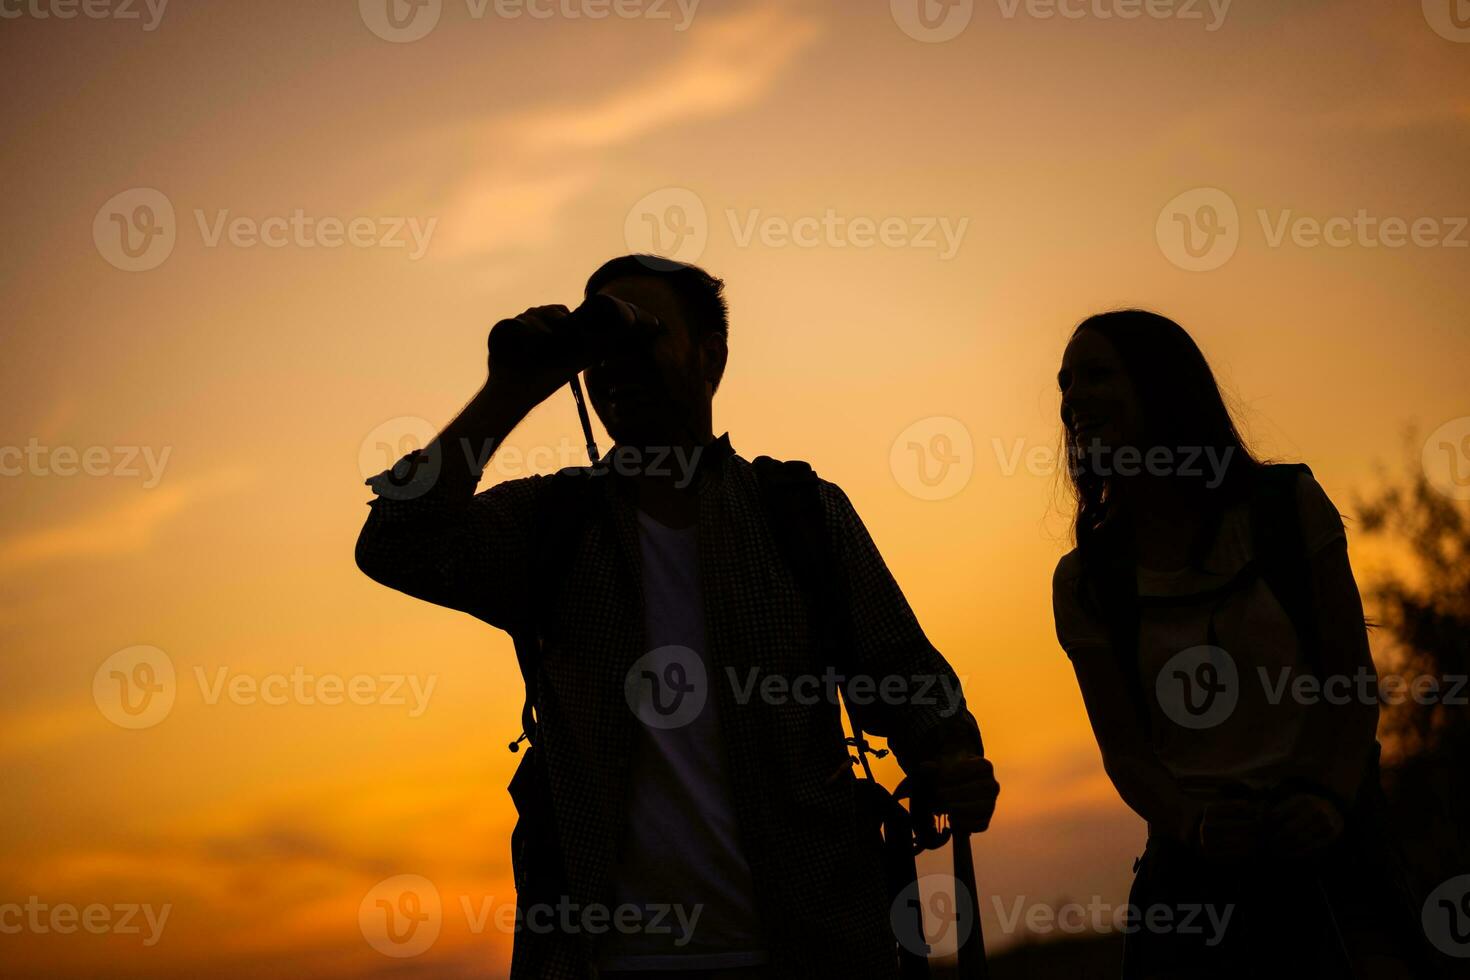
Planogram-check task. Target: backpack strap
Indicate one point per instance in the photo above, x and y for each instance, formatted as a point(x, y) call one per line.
point(1281, 551)
point(792, 499)
point(1114, 592)
point(791, 496)
point(561, 514)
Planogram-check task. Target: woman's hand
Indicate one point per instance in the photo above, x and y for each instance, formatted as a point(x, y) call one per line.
point(1303, 824)
point(1231, 829)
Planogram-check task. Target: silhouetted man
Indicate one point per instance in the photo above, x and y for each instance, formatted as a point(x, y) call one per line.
point(688, 804)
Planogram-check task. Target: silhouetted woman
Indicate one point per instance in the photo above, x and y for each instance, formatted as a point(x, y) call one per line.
point(1218, 639)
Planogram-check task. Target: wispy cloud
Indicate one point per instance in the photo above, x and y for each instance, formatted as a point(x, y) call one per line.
point(728, 64)
point(121, 529)
point(520, 198)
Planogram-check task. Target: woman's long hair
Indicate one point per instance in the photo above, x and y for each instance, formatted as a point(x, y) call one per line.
point(1181, 409)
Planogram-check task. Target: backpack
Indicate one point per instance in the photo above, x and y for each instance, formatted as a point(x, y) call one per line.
point(791, 500)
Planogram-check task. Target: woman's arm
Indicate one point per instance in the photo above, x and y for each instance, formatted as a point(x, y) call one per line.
point(1224, 829)
point(1127, 755)
point(1338, 741)
point(1335, 747)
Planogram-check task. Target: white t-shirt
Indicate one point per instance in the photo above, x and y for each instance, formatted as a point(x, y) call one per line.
point(682, 846)
point(1247, 736)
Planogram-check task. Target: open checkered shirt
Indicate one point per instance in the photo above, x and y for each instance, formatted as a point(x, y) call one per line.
point(819, 886)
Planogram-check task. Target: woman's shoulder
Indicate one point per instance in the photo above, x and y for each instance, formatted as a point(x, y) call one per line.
point(1067, 572)
point(1077, 628)
point(1316, 515)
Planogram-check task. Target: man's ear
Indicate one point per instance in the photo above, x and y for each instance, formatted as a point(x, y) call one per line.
point(714, 353)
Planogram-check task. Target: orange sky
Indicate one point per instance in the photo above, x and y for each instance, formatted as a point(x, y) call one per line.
point(232, 391)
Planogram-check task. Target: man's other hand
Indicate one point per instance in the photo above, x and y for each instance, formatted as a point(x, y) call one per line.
point(964, 787)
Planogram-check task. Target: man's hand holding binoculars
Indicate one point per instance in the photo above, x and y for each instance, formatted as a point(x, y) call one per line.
point(535, 353)
point(531, 356)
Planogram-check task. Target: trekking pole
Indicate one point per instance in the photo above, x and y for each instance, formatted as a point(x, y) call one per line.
point(971, 951)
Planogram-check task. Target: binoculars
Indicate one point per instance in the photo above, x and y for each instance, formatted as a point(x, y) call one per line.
point(603, 323)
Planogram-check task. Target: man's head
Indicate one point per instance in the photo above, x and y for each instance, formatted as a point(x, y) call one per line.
point(661, 394)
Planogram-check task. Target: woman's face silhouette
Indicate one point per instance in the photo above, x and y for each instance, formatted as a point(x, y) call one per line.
point(1100, 404)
